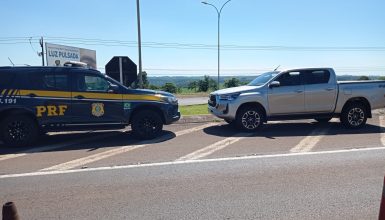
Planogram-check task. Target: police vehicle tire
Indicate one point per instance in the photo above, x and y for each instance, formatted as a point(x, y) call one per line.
point(354, 115)
point(19, 130)
point(250, 118)
point(146, 124)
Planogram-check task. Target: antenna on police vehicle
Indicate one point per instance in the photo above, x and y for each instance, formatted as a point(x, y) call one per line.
point(277, 67)
point(11, 61)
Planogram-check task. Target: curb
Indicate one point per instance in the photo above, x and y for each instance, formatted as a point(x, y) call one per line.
point(196, 119)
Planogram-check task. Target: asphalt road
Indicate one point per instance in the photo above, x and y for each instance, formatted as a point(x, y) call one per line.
point(288, 170)
point(192, 100)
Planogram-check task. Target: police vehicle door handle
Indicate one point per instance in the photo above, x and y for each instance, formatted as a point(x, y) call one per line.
point(32, 95)
point(79, 97)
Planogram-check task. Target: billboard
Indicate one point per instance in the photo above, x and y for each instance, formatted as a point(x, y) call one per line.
point(57, 55)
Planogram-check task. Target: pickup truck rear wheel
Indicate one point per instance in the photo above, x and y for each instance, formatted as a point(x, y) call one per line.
point(146, 124)
point(354, 116)
point(249, 118)
point(19, 130)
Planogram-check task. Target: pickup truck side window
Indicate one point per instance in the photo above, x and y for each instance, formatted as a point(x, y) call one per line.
point(290, 79)
point(317, 77)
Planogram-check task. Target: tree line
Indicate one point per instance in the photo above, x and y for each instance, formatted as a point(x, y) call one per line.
point(207, 83)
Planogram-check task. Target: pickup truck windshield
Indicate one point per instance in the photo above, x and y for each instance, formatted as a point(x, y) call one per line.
point(262, 79)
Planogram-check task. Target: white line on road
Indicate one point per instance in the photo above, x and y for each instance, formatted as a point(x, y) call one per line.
point(214, 147)
point(56, 146)
point(109, 153)
point(308, 143)
point(45, 173)
point(382, 125)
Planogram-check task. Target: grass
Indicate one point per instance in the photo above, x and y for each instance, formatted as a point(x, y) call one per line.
point(194, 109)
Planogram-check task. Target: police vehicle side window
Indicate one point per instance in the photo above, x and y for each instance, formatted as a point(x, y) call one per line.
point(55, 81)
point(92, 83)
point(6, 78)
point(44, 81)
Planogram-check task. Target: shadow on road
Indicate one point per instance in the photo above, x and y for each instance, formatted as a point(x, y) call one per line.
point(289, 129)
point(84, 140)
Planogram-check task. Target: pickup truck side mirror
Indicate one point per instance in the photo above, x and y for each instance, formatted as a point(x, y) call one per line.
point(274, 84)
point(113, 88)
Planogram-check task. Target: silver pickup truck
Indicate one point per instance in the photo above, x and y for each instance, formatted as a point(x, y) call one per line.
point(311, 93)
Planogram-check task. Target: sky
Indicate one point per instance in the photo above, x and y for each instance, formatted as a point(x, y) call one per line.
point(179, 37)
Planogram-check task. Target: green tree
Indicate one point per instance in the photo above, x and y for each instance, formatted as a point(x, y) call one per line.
point(145, 81)
point(233, 82)
point(363, 78)
point(206, 84)
point(169, 87)
point(193, 85)
point(381, 78)
point(153, 87)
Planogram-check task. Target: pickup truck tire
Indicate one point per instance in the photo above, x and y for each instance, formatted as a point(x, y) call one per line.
point(249, 118)
point(322, 120)
point(354, 115)
point(231, 122)
point(146, 124)
point(19, 130)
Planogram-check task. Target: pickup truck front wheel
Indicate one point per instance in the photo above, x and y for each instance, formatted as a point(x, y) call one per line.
point(354, 116)
point(249, 119)
point(146, 124)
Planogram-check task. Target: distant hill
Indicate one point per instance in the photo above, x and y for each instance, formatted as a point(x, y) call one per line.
point(183, 81)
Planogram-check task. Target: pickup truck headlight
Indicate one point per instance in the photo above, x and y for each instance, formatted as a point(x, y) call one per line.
point(229, 97)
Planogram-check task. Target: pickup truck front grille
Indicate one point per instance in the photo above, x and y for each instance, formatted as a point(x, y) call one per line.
point(212, 101)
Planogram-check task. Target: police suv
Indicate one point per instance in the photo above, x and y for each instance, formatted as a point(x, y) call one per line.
point(35, 100)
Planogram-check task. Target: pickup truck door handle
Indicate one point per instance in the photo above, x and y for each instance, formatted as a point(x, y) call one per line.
point(79, 97)
point(299, 91)
point(329, 89)
point(32, 95)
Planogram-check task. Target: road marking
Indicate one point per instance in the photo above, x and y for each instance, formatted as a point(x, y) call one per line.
point(55, 146)
point(109, 153)
point(309, 142)
point(382, 125)
point(214, 147)
point(45, 173)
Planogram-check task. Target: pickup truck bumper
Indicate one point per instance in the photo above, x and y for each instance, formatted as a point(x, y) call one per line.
point(223, 109)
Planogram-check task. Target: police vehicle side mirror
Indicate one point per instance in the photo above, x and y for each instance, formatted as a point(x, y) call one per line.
point(274, 84)
point(113, 88)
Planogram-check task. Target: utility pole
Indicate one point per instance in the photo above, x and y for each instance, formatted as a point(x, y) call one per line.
point(139, 45)
point(219, 12)
point(42, 50)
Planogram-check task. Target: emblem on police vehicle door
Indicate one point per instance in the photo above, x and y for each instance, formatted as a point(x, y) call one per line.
point(97, 109)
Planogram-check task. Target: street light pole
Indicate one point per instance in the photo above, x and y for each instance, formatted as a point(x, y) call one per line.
point(219, 26)
point(139, 45)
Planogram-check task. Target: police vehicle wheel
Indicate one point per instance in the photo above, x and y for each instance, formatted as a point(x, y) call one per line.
point(19, 130)
point(146, 124)
point(354, 116)
point(249, 118)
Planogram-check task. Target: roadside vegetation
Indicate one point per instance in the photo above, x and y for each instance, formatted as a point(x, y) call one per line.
point(193, 110)
point(185, 86)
